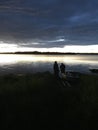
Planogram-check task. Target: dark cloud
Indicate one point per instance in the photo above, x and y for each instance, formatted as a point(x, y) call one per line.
point(46, 21)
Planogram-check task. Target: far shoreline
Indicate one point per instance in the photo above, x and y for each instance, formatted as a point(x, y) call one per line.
point(49, 53)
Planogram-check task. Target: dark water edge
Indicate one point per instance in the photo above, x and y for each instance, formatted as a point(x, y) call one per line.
point(32, 69)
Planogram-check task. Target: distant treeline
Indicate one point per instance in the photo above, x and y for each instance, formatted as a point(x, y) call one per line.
point(49, 53)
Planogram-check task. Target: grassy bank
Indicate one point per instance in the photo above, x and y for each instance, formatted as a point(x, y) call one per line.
point(40, 101)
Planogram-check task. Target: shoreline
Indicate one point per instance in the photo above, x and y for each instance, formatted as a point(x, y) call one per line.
point(49, 53)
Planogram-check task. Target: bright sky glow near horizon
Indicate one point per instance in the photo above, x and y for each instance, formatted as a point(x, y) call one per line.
point(5, 47)
point(49, 25)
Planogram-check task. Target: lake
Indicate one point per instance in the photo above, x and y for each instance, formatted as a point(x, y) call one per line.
point(25, 63)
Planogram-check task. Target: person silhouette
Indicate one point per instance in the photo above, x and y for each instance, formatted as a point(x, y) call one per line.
point(56, 69)
point(63, 75)
point(62, 68)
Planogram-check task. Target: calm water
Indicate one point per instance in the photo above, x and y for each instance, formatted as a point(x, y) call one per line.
point(39, 63)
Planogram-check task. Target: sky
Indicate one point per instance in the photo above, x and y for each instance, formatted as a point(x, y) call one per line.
point(49, 25)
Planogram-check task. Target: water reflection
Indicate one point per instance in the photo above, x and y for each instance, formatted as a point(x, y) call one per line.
point(26, 63)
point(13, 58)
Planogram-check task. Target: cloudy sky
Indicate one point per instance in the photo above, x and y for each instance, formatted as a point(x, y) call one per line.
point(51, 25)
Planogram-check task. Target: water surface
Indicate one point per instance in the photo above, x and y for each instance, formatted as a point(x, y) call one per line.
point(23, 63)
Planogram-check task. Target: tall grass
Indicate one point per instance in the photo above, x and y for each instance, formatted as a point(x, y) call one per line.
point(40, 101)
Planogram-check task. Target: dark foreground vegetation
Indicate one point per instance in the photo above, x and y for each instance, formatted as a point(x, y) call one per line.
point(40, 101)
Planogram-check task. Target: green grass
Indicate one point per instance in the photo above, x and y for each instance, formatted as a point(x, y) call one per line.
point(40, 101)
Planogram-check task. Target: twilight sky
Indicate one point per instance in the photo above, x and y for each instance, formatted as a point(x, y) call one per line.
point(50, 24)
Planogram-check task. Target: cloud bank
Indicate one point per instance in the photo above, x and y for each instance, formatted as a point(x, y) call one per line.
point(49, 23)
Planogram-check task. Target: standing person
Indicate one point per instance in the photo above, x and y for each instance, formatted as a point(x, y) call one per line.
point(63, 76)
point(62, 68)
point(56, 69)
point(62, 72)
